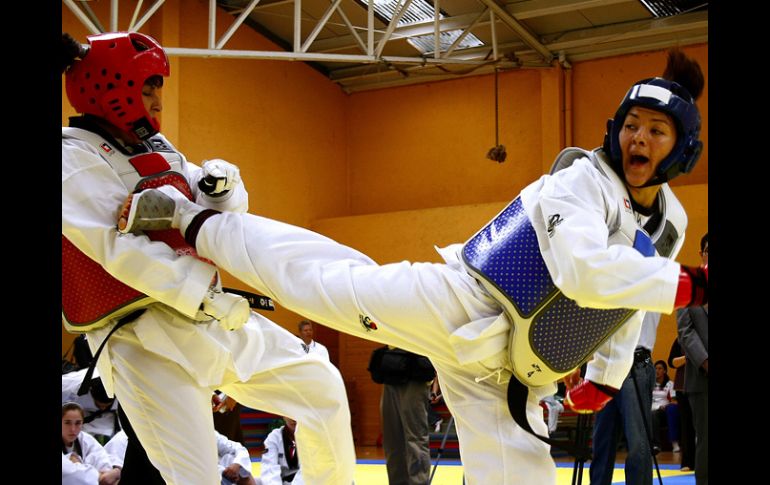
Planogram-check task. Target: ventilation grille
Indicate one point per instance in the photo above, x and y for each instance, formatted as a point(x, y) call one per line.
point(418, 11)
point(667, 8)
point(425, 43)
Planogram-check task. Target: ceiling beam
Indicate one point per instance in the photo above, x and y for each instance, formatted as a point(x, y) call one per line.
point(372, 70)
point(437, 28)
point(352, 29)
point(541, 8)
point(150, 11)
point(603, 45)
point(694, 21)
point(320, 25)
point(212, 24)
point(308, 56)
point(391, 27)
point(265, 6)
point(519, 29)
point(84, 18)
point(415, 75)
point(521, 11)
point(478, 54)
point(634, 46)
point(237, 23)
point(465, 33)
point(413, 30)
point(370, 29)
point(114, 15)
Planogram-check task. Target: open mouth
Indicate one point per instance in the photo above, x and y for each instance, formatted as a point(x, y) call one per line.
point(638, 160)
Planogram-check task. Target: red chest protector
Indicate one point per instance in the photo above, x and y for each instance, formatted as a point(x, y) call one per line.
point(91, 297)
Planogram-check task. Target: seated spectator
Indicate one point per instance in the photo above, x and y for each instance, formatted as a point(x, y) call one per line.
point(234, 459)
point(234, 463)
point(664, 407)
point(116, 447)
point(74, 472)
point(84, 460)
point(101, 411)
point(280, 463)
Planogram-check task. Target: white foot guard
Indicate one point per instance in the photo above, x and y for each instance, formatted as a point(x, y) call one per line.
point(232, 311)
point(161, 208)
point(149, 210)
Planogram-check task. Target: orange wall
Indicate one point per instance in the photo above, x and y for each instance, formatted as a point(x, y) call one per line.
point(425, 145)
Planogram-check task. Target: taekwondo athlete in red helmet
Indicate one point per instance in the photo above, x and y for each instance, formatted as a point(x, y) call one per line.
point(563, 275)
point(169, 333)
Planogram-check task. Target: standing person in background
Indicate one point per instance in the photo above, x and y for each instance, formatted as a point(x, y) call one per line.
point(693, 334)
point(404, 404)
point(677, 360)
point(624, 414)
point(170, 334)
point(580, 250)
point(308, 344)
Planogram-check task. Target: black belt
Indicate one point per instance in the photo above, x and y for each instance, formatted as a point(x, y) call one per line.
point(86, 384)
point(518, 394)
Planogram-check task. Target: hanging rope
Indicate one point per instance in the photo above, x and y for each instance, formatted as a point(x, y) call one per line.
point(497, 153)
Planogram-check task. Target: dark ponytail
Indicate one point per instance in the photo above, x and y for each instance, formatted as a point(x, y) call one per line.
point(685, 71)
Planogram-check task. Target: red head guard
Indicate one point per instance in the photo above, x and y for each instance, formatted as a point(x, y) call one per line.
point(108, 81)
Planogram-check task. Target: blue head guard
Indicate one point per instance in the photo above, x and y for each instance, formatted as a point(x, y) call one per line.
point(674, 100)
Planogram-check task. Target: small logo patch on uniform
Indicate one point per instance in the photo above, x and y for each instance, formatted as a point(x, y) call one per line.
point(554, 221)
point(627, 205)
point(367, 322)
point(106, 148)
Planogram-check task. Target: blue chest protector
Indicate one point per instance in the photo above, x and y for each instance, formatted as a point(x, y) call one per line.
point(551, 334)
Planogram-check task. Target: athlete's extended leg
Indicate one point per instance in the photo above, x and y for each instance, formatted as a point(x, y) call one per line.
point(493, 448)
point(310, 390)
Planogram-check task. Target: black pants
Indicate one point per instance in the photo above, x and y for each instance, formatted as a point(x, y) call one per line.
point(699, 401)
point(137, 468)
point(687, 439)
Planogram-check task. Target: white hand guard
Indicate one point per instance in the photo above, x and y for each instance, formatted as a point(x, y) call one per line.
point(232, 311)
point(218, 177)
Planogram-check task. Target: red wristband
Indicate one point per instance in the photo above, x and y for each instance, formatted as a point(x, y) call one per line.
point(684, 290)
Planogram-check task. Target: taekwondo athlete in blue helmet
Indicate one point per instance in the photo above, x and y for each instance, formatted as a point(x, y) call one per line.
point(564, 273)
